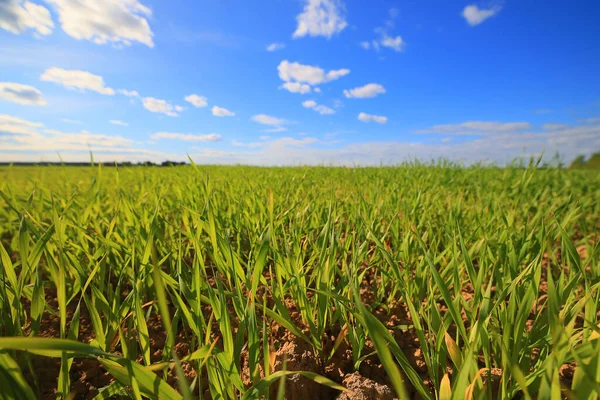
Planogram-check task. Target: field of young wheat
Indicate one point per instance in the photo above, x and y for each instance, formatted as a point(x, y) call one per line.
point(432, 282)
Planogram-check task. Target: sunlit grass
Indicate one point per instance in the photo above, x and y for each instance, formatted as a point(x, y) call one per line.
point(496, 270)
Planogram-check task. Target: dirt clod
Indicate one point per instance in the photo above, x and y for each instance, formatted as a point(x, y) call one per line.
point(361, 388)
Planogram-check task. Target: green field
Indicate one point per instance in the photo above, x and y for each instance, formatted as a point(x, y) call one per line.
point(431, 282)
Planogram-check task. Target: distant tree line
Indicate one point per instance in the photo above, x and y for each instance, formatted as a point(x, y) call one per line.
point(88, 164)
point(593, 162)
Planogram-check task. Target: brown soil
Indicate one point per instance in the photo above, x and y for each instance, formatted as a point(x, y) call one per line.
point(369, 382)
point(361, 388)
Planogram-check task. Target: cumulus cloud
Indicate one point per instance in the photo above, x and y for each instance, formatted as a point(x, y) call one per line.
point(118, 122)
point(221, 112)
point(296, 87)
point(17, 17)
point(321, 109)
point(321, 18)
point(394, 43)
point(364, 117)
point(324, 110)
point(197, 101)
point(119, 22)
point(309, 74)
point(187, 137)
point(129, 93)
point(363, 92)
point(275, 46)
point(475, 15)
point(477, 128)
point(76, 79)
point(21, 94)
point(161, 106)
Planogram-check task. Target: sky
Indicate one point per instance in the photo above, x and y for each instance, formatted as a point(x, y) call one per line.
point(296, 82)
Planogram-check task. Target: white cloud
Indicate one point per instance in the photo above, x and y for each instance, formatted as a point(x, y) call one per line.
point(590, 120)
point(321, 18)
point(13, 125)
point(187, 137)
point(21, 94)
point(275, 46)
point(264, 137)
point(117, 21)
point(276, 130)
point(276, 123)
point(363, 92)
point(317, 90)
point(197, 101)
point(129, 93)
point(268, 120)
point(179, 108)
point(160, 106)
point(296, 87)
point(364, 117)
point(394, 43)
point(25, 136)
point(324, 110)
point(554, 126)
point(76, 79)
point(478, 128)
point(117, 122)
point(321, 109)
point(221, 112)
point(500, 149)
point(312, 75)
point(23, 140)
point(251, 145)
point(475, 15)
point(17, 16)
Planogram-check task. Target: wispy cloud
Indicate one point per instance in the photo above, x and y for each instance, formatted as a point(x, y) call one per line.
point(187, 137)
point(475, 15)
point(21, 94)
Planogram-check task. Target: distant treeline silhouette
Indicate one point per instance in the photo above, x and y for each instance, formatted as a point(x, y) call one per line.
point(88, 164)
point(580, 162)
point(593, 162)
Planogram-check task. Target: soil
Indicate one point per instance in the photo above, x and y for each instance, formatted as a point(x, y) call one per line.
point(361, 388)
point(369, 382)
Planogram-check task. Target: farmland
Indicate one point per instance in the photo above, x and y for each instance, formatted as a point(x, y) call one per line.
point(417, 281)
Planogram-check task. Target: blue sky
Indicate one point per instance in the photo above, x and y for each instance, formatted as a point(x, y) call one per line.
point(298, 82)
